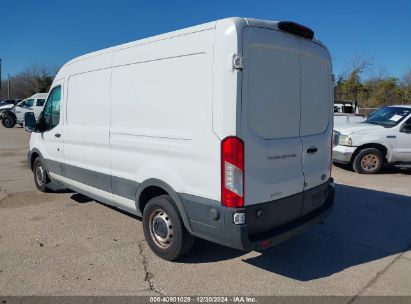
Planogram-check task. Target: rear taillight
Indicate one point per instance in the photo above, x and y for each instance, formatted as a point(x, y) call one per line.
point(232, 172)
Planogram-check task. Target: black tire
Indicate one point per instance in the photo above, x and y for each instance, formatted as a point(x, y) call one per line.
point(40, 179)
point(171, 239)
point(8, 121)
point(368, 161)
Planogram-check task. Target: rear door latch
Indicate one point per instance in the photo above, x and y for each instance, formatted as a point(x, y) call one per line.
point(238, 62)
point(312, 150)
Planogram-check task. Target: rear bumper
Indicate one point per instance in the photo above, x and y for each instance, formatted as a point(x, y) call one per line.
point(343, 154)
point(258, 233)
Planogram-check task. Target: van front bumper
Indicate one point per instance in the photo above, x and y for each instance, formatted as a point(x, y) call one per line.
point(343, 154)
point(259, 232)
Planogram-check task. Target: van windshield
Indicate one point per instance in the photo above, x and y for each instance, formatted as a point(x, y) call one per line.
point(388, 116)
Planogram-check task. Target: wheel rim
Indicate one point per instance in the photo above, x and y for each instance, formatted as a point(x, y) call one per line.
point(161, 228)
point(7, 122)
point(40, 175)
point(370, 162)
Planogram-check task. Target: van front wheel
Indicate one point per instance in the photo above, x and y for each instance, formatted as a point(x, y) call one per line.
point(41, 178)
point(164, 229)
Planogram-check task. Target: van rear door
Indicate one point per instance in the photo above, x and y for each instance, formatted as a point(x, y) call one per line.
point(316, 112)
point(270, 118)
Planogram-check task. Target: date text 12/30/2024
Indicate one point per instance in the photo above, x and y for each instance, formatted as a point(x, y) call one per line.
point(203, 299)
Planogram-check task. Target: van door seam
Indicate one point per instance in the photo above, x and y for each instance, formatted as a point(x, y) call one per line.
point(301, 139)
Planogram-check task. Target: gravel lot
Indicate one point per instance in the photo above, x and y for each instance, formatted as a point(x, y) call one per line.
point(66, 244)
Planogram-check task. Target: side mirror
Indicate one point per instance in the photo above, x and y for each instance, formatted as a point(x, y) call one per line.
point(30, 122)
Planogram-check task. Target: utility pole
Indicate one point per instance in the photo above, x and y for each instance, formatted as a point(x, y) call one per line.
point(0, 77)
point(8, 87)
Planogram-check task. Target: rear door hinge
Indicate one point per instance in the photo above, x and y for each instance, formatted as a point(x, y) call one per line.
point(238, 62)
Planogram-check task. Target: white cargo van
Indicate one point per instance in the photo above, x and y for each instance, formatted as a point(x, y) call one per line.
point(220, 131)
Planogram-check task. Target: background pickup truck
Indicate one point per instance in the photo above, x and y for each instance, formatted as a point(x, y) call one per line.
point(15, 114)
point(384, 138)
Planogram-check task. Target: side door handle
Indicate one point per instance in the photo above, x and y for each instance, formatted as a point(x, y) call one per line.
point(58, 135)
point(312, 150)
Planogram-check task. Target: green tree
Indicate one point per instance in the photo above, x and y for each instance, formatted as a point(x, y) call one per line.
point(405, 87)
point(385, 91)
point(349, 87)
point(375, 91)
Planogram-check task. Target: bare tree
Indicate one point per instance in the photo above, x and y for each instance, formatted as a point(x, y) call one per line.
point(34, 79)
point(349, 85)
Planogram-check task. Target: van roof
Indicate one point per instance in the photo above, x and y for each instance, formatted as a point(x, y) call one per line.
point(197, 28)
point(237, 21)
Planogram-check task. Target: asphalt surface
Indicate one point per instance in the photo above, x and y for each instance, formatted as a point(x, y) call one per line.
point(67, 244)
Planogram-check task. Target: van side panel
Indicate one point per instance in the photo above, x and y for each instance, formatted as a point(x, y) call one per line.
point(86, 133)
point(161, 114)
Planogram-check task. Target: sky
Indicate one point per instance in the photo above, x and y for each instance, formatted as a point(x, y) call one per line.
point(53, 32)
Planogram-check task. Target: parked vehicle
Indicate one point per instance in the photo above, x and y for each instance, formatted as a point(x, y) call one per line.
point(6, 105)
point(383, 139)
point(344, 107)
point(14, 115)
point(7, 102)
point(204, 132)
point(344, 119)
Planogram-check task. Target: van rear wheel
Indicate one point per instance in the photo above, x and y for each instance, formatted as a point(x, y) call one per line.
point(41, 178)
point(368, 161)
point(164, 229)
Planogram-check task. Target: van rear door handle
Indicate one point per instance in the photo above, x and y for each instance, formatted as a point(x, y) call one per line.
point(58, 135)
point(312, 150)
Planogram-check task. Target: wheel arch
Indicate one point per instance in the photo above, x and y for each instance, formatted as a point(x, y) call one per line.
point(10, 113)
point(383, 149)
point(34, 153)
point(153, 187)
